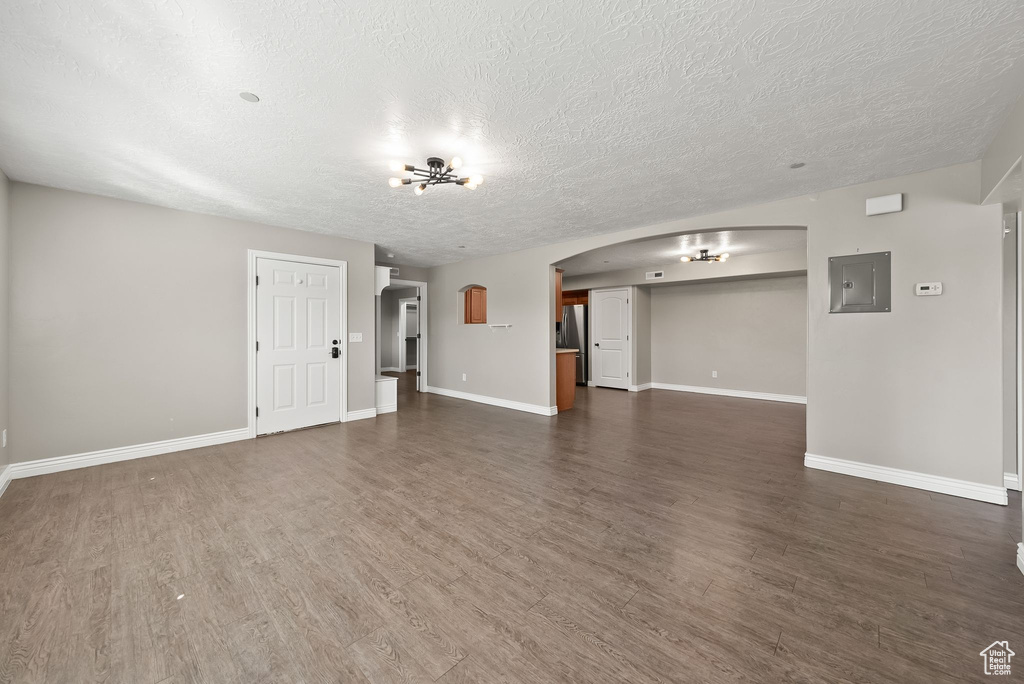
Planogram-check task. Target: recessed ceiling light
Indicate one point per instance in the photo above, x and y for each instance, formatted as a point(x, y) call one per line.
point(249, 97)
point(798, 165)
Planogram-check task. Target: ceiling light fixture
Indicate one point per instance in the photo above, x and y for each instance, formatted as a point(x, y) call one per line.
point(249, 97)
point(436, 173)
point(704, 256)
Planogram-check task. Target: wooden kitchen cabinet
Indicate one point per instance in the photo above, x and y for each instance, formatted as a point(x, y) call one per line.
point(574, 297)
point(476, 305)
point(565, 378)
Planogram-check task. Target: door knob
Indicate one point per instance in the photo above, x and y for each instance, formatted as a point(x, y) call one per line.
point(597, 344)
point(335, 352)
point(334, 341)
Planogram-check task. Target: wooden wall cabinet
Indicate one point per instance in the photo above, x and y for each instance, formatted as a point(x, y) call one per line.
point(476, 305)
point(574, 297)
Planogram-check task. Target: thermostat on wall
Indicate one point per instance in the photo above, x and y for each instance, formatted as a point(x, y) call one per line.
point(928, 289)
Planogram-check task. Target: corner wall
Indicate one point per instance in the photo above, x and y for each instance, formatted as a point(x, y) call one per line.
point(128, 321)
point(5, 329)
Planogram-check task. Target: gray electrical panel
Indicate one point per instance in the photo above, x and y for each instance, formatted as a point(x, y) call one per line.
point(860, 283)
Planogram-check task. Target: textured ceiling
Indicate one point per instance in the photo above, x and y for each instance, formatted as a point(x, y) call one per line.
point(663, 251)
point(585, 117)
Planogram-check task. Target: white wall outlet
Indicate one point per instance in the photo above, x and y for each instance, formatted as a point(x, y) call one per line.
point(463, 377)
point(5, 438)
point(355, 337)
point(714, 374)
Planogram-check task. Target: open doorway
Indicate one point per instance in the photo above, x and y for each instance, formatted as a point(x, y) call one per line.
point(718, 311)
point(408, 334)
point(402, 352)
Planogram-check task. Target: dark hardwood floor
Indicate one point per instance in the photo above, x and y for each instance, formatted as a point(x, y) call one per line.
point(643, 537)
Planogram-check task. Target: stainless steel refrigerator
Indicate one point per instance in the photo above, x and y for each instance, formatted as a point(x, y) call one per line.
point(572, 334)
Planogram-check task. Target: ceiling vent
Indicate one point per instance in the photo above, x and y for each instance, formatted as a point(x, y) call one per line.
point(655, 275)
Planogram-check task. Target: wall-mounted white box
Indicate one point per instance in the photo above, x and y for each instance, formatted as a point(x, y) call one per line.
point(886, 204)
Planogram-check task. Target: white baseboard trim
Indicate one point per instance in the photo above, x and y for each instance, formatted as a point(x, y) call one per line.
point(1020, 557)
point(591, 383)
point(58, 464)
point(390, 408)
point(392, 369)
point(494, 401)
point(362, 414)
point(909, 478)
point(5, 479)
point(641, 388)
point(1011, 481)
point(741, 394)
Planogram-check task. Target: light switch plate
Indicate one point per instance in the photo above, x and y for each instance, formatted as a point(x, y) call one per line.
point(355, 337)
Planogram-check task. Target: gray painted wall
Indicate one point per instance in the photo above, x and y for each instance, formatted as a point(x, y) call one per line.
point(919, 388)
point(128, 321)
point(1010, 347)
point(642, 335)
point(517, 363)
point(389, 309)
point(5, 273)
point(753, 332)
point(1006, 149)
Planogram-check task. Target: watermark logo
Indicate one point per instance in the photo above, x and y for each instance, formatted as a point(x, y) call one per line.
point(997, 658)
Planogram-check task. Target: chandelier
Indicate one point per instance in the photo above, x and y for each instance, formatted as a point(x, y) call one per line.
point(436, 173)
point(704, 256)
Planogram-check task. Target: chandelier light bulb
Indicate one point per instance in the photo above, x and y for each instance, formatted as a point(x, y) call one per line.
point(723, 257)
point(420, 188)
point(395, 182)
point(471, 186)
point(396, 166)
point(476, 180)
point(685, 258)
point(456, 163)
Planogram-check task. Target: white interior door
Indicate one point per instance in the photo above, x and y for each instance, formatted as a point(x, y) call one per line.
point(298, 334)
point(610, 346)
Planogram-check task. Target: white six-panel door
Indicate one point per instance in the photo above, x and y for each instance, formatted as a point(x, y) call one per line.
point(298, 324)
point(610, 346)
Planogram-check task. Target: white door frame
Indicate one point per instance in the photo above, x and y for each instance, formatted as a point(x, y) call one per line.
point(250, 351)
point(403, 308)
point(421, 362)
point(1020, 353)
point(592, 337)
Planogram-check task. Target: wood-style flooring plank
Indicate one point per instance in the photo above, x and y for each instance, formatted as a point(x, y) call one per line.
point(458, 542)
